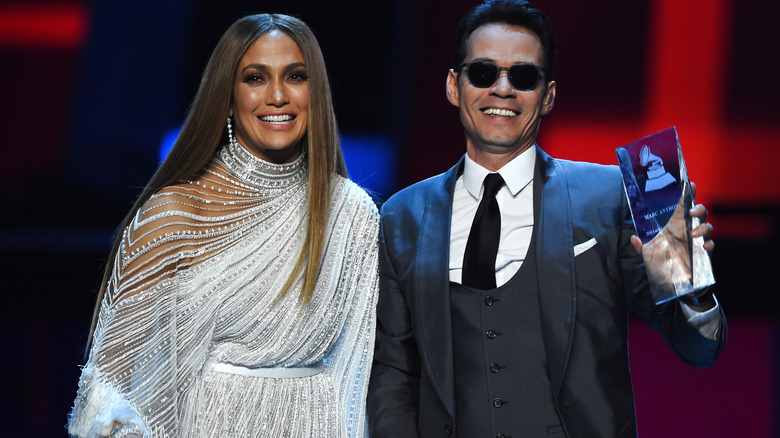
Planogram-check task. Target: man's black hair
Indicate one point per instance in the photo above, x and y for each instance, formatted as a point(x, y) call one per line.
point(514, 13)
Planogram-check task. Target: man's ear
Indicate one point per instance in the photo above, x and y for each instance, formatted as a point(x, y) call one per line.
point(453, 92)
point(549, 98)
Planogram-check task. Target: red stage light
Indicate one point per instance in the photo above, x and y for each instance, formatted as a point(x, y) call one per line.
point(49, 26)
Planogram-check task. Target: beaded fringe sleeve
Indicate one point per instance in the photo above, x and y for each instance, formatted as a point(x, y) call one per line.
point(193, 284)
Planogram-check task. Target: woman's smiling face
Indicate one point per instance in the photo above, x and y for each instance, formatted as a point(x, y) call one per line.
point(271, 98)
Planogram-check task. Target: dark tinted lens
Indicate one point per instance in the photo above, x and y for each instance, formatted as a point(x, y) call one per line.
point(482, 74)
point(523, 76)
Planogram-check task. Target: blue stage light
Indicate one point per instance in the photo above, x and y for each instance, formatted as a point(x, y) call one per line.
point(169, 138)
point(371, 162)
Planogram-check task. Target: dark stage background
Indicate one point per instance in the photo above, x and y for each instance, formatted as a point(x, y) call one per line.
point(91, 89)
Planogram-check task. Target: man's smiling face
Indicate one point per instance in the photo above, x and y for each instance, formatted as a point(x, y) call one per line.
point(500, 120)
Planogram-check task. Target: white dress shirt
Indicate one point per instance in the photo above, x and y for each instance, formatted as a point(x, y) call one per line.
point(516, 203)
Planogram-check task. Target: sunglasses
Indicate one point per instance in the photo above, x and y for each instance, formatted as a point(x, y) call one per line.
point(523, 77)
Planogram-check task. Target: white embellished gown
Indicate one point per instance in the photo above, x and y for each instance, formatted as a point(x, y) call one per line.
point(193, 289)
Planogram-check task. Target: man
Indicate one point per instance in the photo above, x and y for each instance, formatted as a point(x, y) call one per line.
point(537, 345)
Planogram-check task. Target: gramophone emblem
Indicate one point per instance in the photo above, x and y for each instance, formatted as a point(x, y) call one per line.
point(657, 176)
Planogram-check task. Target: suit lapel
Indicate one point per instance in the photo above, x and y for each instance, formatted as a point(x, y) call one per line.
point(555, 274)
point(433, 285)
point(555, 267)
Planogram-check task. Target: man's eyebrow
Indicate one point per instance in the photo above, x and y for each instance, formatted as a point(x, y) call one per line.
point(481, 58)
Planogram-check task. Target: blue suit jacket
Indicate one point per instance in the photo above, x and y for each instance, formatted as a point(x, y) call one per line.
point(584, 305)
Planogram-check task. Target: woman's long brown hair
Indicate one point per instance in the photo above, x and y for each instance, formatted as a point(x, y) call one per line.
point(204, 130)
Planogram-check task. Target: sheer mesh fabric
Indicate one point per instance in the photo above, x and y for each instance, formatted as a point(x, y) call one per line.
point(193, 285)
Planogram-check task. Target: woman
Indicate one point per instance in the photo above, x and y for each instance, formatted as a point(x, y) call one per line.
point(240, 300)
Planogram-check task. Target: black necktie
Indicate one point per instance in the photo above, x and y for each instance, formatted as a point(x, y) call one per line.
point(479, 261)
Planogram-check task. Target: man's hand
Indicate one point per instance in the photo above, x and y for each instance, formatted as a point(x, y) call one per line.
point(667, 256)
point(704, 229)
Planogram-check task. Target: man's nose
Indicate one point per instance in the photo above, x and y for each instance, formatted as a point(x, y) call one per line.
point(502, 86)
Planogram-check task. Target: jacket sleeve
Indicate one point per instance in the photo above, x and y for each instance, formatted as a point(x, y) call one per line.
point(690, 341)
point(393, 398)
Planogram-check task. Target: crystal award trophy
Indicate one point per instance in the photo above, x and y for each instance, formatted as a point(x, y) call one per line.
point(659, 194)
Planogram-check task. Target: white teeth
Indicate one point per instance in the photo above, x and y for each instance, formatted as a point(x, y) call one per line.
point(499, 112)
point(281, 118)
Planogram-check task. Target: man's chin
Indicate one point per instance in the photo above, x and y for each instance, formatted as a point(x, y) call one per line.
point(503, 145)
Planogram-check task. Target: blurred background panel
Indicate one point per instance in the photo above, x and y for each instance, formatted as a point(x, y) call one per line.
point(92, 91)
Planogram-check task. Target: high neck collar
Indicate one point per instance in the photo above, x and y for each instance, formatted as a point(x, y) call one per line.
point(259, 173)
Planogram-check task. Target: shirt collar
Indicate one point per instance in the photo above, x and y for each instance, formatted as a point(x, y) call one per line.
point(517, 173)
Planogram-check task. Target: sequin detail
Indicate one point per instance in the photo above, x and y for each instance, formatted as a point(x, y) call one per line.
point(193, 284)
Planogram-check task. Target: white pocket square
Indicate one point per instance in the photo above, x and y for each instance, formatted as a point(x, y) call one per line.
point(584, 246)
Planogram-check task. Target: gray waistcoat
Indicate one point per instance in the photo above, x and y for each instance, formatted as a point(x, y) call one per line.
point(502, 387)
